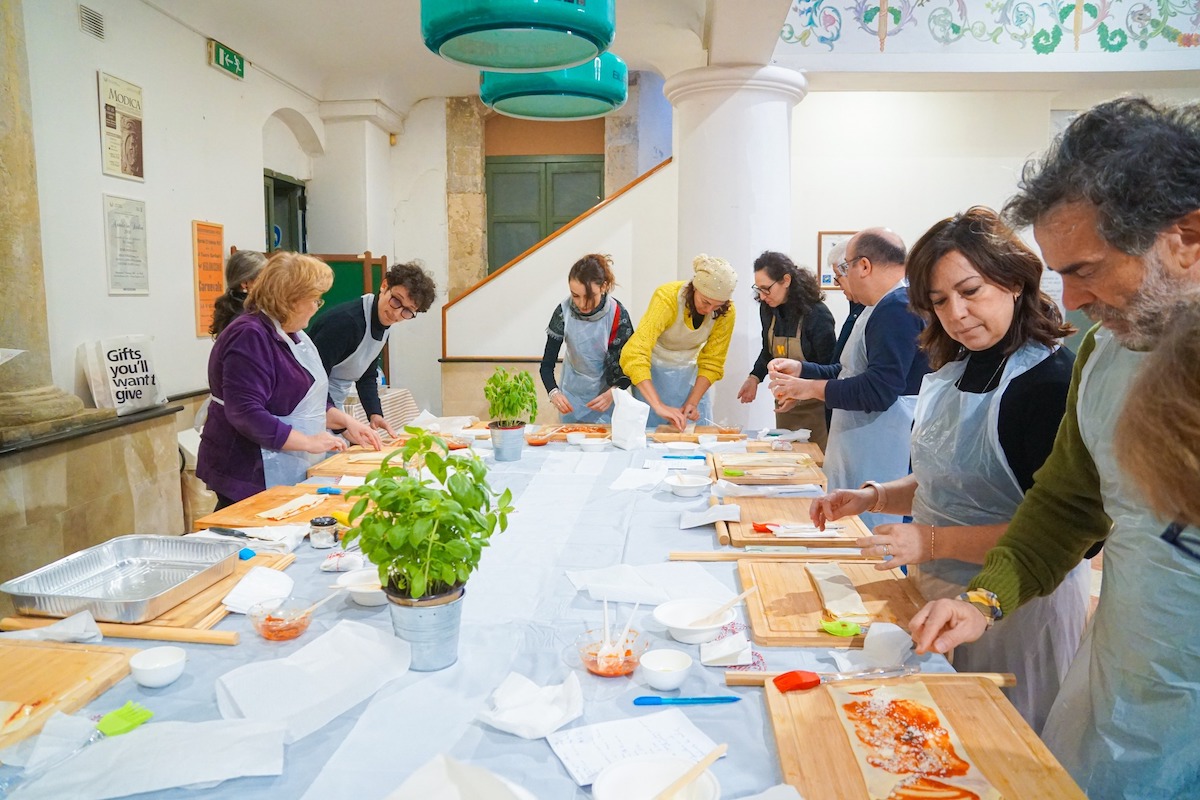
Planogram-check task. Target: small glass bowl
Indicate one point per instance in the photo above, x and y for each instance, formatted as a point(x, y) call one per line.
point(588, 645)
point(280, 619)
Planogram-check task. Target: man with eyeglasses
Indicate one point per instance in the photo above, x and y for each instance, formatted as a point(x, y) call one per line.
point(1115, 207)
point(350, 336)
point(873, 390)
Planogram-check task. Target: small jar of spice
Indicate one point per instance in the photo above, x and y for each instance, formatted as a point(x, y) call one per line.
point(322, 532)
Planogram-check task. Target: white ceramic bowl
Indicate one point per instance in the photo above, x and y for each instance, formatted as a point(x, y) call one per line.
point(707, 438)
point(677, 617)
point(158, 666)
point(683, 447)
point(687, 485)
point(665, 670)
point(594, 445)
point(575, 437)
point(643, 777)
point(364, 586)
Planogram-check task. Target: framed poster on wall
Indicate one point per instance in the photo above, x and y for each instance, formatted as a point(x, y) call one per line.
point(125, 245)
point(826, 241)
point(120, 128)
point(208, 269)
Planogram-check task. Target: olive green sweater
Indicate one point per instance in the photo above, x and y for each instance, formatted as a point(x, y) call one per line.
point(1060, 518)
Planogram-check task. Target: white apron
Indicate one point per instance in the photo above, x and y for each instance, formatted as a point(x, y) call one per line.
point(673, 362)
point(963, 478)
point(583, 365)
point(344, 374)
point(867, 445)
point(1127, 721)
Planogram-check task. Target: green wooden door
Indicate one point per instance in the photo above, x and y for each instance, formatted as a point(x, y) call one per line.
point(530, 197)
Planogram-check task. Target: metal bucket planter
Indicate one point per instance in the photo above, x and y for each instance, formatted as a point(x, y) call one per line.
point(430, 625)
point(507, 442)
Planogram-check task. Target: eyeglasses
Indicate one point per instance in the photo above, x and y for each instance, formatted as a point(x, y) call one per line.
point(843, 268)
point(405, 311)
point(762, 290)
point(1173, 535)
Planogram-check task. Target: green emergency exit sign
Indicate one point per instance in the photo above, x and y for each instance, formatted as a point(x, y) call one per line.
point(226, 60)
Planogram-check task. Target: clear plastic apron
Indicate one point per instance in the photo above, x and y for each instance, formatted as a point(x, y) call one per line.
point(1127, 721)
point(868, 445)
point(583, 366)
point(285, 468)
point(673, 362)
point(345, 373)
point(963, 478)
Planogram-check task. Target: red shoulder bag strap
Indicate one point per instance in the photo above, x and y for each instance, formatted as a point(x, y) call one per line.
point(612, 336)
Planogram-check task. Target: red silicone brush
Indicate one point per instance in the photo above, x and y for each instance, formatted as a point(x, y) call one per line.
point(799, 679)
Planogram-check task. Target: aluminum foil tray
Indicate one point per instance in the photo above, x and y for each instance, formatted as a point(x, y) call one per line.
point(126, 579)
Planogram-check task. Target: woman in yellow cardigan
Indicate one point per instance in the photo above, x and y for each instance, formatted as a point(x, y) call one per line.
point(679, 347)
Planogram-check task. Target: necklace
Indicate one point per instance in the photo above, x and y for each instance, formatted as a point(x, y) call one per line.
point(987, 387)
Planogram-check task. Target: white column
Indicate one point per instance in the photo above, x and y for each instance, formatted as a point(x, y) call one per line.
point(733, 152)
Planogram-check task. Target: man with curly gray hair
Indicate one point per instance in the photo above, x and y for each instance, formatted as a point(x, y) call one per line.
point(1115, 207)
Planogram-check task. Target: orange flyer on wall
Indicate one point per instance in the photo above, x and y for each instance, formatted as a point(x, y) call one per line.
point(208, 251)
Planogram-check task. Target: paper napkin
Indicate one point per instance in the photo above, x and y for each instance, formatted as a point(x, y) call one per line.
point(729, 651)
point(521, 707)
point(259, 584)
point(694, 519)
point(264, 539)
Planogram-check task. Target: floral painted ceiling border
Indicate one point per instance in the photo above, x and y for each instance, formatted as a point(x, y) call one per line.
point(998, 26)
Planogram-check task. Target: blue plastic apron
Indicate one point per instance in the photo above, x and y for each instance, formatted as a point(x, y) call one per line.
point(583, 366)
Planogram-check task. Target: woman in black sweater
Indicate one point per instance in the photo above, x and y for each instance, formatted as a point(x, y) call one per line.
point(796, 324)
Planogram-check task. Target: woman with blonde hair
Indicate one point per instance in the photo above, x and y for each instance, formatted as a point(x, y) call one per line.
point(271, 413)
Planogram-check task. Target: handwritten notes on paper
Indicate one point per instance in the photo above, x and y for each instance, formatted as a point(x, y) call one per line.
point(586, 751)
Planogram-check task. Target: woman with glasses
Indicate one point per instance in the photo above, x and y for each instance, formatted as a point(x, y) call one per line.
point(795, 324)
point(678, 350)
point(985, 422)
point(270, 415)
point(594, 327)
point(350, 336)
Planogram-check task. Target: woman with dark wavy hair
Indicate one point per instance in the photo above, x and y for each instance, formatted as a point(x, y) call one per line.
point(985, 422)
point(797, 324)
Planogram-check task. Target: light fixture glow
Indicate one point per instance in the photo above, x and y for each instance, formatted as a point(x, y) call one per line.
point(583, 92)
point(518, 35)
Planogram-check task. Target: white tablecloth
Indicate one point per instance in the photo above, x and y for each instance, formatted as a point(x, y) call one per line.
point(521, 614)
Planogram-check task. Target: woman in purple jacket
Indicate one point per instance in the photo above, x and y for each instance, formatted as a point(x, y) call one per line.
point(271, 415)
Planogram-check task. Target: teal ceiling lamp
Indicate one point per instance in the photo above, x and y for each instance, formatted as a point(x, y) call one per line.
point(583, 92)
point(518, 35)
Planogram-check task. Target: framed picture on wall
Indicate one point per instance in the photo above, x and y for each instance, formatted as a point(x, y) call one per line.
point(826, 241)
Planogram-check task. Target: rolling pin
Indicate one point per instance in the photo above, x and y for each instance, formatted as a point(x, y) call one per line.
point(162, 633)
point(759, 678)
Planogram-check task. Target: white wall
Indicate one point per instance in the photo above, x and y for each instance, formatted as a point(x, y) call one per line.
point(508, 316)
point(282, 153)
point(905, 160)
point(654, 122)
point(417, 173)
point(203, 139)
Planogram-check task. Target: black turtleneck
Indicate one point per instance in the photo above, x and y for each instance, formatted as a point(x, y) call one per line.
point(1031, 409)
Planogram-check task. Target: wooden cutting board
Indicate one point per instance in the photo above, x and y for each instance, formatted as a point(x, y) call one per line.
point(55, 676)
point(786, 610)
point(555, 433)
point(356, 461)
point(808, 448)
point(190, 621)
point(817, 759)
point(767, 469)
point(785, 510)
point(668, 433)
point(243, 513)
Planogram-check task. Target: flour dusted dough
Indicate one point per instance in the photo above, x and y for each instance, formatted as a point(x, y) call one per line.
point(905, 746)
point(292, 507)
point(839, 598)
